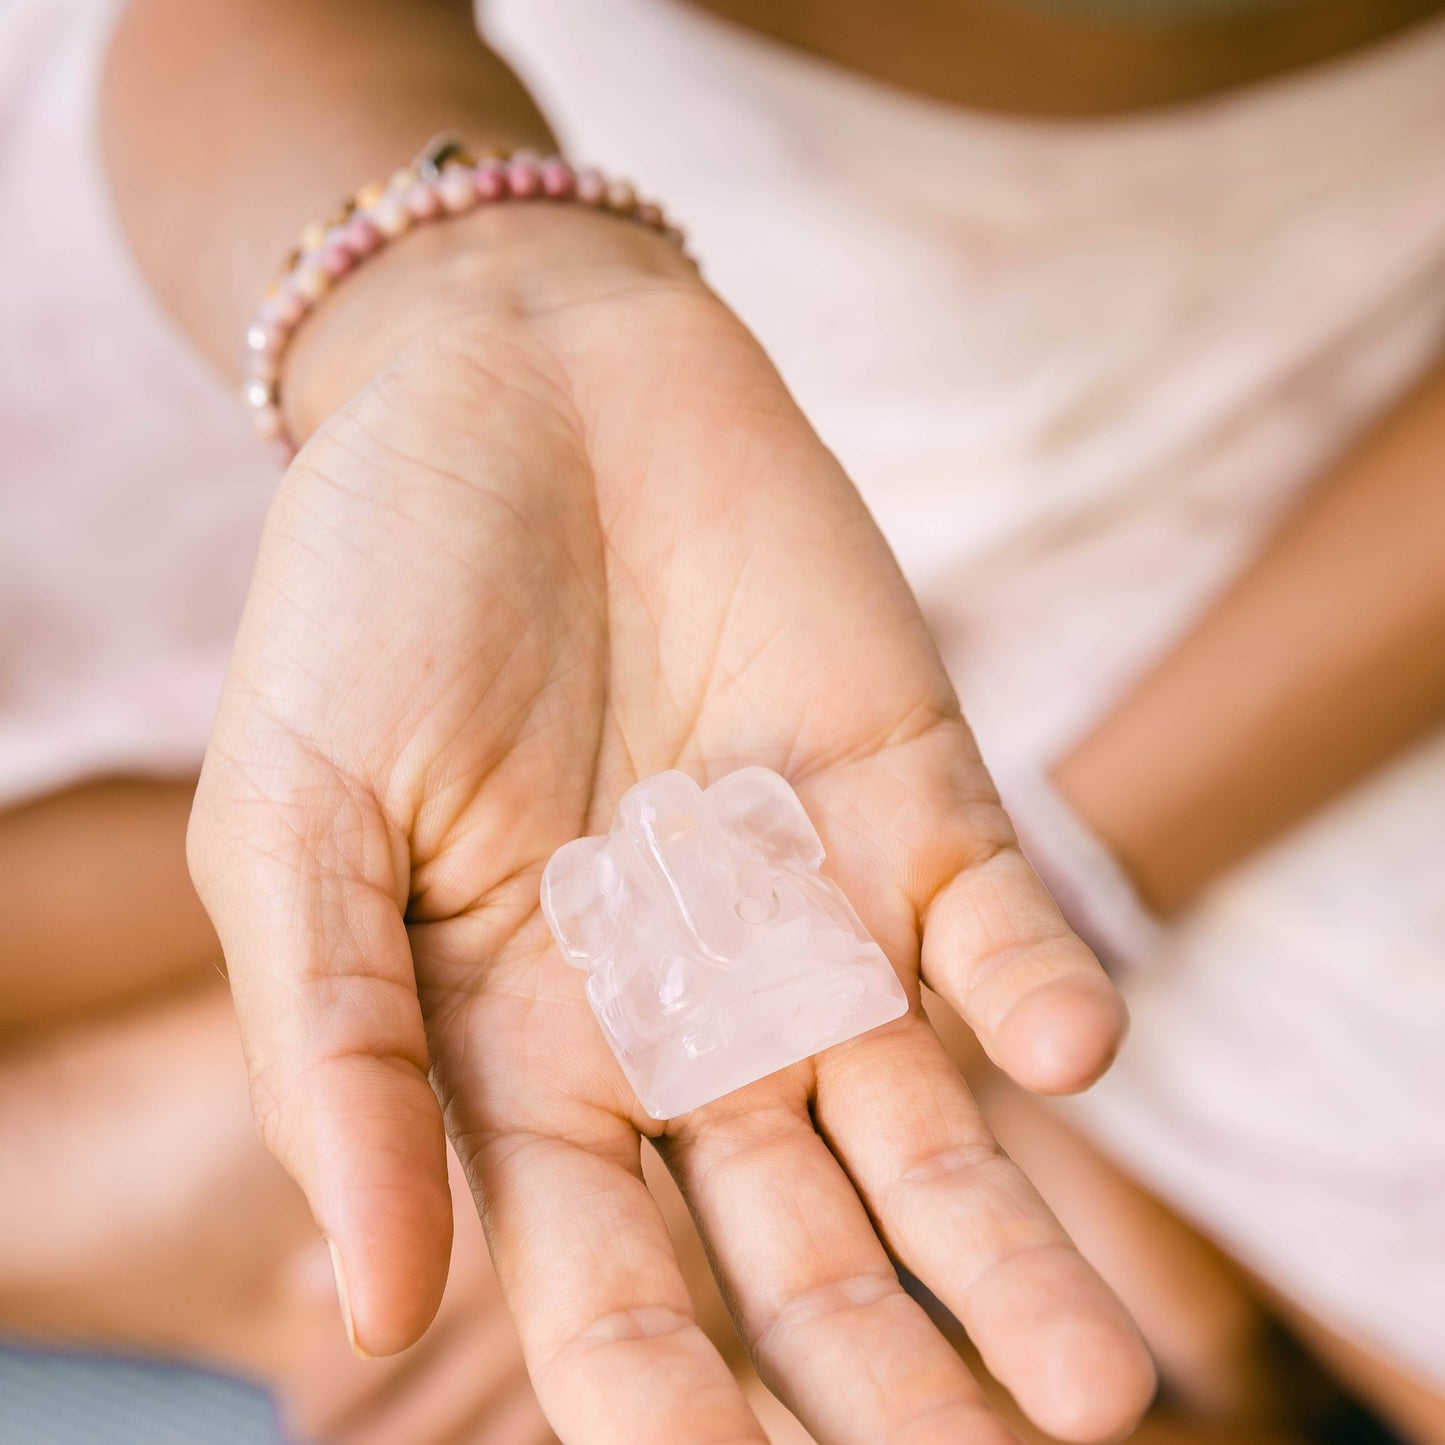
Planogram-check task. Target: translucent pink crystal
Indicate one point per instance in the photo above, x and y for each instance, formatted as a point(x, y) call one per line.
point(716, 952)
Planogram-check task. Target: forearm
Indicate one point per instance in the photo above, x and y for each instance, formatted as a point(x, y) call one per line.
point(230, 124)
point(96, 908)
point(1325, 659)
point(272, 112)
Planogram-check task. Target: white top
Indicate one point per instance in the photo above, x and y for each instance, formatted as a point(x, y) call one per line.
point(132, 490)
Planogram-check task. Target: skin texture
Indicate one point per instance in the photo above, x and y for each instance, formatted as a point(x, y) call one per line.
point(491, 595)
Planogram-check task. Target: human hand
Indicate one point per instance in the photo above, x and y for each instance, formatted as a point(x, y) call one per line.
point(570, 530)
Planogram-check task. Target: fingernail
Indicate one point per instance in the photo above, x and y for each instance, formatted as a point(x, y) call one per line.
point(344, 1301)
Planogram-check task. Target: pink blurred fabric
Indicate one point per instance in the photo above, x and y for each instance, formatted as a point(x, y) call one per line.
point(131, 489)
point(1079, 371)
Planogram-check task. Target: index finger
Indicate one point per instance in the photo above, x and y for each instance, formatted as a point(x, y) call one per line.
point(920, 843)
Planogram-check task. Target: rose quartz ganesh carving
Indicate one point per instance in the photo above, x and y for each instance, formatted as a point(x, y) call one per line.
point(715, 950)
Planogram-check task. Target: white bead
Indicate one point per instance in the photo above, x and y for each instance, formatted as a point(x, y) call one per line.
point(258, 394)
point(391, 216)
point(457, 189)
point(309, 281)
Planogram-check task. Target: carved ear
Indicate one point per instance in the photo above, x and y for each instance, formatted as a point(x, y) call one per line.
point(761, 806)
point(582, 900)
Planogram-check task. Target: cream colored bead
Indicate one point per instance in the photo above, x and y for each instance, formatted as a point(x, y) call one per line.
point(457, 189)
point(621, 198)
point(402, 180)
point(391, 216)
point(369, 195)
point(309, 281)
point(312, 237)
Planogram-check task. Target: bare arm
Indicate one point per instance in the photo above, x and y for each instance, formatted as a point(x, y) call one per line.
point(1323, 661)
point(96, 907)
point(230, 124)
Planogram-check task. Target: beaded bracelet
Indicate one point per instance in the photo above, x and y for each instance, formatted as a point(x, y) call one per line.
point(444, 180)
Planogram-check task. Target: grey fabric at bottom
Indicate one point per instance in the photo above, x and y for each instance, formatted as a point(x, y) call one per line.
point(62, 1399)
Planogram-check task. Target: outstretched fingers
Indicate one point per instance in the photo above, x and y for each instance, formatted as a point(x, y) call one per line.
point(815, 1296)
point(302, 888)
point(954, 1209)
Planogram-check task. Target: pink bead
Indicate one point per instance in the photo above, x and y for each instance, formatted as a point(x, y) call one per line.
point(558, 182)
point(490, 179)
point(335, 260)
point(591, 187)
point(457, 189)
point(524, 176)
point(423, 201)
point(308, 280)
point(284, 450)
point(284, 309)
point(360, 236)
point(650, 215)
point(292, 306)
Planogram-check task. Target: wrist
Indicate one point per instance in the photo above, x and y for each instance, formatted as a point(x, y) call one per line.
point(515, 263)
point(1132, 819)
point(1092, 884)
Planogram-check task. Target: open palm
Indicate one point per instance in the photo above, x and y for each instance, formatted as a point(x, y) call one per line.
point(526, 567)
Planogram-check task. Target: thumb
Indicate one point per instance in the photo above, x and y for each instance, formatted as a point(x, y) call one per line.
point(305, 885)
